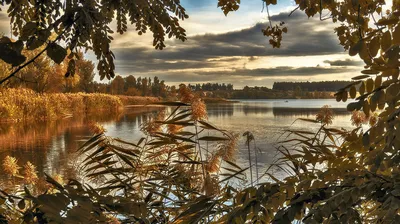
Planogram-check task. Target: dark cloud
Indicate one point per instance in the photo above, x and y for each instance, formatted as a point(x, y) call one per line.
point(305, 37)
point(347, 62)
point(150, 65)
point(282, 71)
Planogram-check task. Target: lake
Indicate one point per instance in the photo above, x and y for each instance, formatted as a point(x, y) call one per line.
point(51, 146)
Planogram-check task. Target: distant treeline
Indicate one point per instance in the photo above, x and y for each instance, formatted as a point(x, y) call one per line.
point(210, 87)
point(135, 86)
point(266, 93)
point(330, 86)
point(280, 90)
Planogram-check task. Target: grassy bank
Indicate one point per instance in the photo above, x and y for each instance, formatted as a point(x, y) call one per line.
point(25, 105)
point(137, 100)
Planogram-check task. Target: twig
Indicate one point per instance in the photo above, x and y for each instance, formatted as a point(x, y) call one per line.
point(294, 10)
point(269, 17)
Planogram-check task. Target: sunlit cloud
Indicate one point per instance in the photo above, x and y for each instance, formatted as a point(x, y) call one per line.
point(232, 49)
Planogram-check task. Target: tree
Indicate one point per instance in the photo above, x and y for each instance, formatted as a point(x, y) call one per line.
point(85, 70)
point(117, 85)
point(46, 76)
point(155, 89)
point(130, 82)
point(133, 92)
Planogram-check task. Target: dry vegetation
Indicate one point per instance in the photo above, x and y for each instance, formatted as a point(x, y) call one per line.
point(27, 105)
point(137, 100)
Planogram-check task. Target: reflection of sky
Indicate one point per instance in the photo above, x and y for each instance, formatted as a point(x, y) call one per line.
point(50, 147)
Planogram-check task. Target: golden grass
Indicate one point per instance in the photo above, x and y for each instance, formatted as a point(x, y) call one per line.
point(25, 104)
point(138, 100)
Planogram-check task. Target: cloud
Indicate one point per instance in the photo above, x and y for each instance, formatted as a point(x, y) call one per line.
point(242, 57)
point(150, 65)
point(305, 37)
point(4, 22)
point(282, 71)
point(3, 15)
point(346, 62)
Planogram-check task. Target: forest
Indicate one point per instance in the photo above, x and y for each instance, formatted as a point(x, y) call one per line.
point(183, 168)
point(292, 91)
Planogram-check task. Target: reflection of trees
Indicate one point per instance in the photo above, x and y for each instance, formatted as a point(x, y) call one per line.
point(49, 145)
point(248, 109)
point(303, 112)
point(220, 110)
point(46, 145)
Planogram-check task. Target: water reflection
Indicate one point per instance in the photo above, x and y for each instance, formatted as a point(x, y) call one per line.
point(51, 146)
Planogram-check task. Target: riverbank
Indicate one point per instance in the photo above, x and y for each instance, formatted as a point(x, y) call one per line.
point(26, 105)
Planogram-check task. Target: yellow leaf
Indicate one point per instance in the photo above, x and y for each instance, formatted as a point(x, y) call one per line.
point(362, 88)
point(353, 92)
point(344, 96)
point(372, 104)
point(373, 72)
point(282, 199)
point(396, 35)
point(393, 90)
point(338, 97)
point(378, 81)
point(381, 100)
point(374, 46)
point(370, 85)
point(366, 108)
point(384, 21)
point(355, 49)
point(386, 41)
point(290, 191)
point(364, 51)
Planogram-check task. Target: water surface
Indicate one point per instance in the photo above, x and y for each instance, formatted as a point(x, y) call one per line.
point(51, 145)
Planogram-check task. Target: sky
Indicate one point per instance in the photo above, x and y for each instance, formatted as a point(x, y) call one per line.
point(232, 49)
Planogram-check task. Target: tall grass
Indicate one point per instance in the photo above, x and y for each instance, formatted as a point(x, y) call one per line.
point(137, 100)
point(26, 105)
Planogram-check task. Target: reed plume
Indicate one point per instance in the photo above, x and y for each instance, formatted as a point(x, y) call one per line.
point(358, 118)
point(213, 163)
point(186, 95)
point(30, 174)
point(227, 150)
point(10, 166)
point(199, 111)
point(325, 115)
